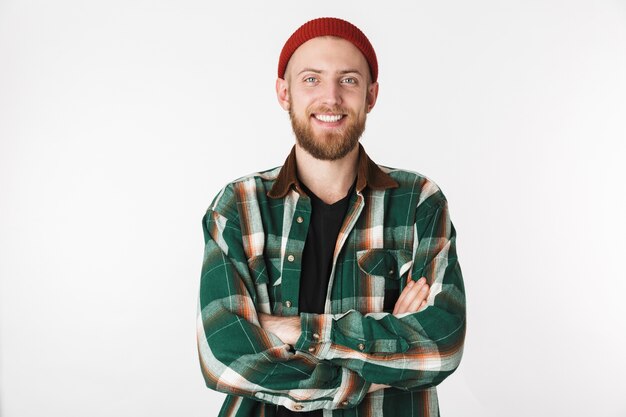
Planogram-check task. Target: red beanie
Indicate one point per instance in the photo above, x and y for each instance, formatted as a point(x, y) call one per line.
point(328, 26)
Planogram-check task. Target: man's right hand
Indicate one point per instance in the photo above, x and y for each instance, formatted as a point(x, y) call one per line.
point(413, 297)
point(411, 300)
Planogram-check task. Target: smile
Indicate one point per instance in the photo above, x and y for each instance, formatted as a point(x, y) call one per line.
point(329, 118)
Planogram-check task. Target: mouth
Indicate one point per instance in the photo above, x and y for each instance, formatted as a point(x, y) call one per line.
point(329, 118)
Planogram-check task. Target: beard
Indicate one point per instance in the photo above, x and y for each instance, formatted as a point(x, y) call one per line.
point(328, 146)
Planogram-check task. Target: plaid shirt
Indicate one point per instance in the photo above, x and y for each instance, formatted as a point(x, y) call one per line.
point(397, 226)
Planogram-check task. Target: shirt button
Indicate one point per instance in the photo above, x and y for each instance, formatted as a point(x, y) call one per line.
point(316, 336)
point(287, 303)
point(361, 346)
point(345, 403)
point(298, 407)
point(299, 219)
point(312, 349)
point(391, 271)
point(291, 258)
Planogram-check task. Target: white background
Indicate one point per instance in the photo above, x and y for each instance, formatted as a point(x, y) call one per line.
point(120, 120)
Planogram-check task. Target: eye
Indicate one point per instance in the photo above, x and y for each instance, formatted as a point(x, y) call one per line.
point(349, 80)
point(310, 79)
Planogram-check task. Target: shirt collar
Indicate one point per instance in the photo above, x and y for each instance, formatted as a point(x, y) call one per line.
point(369, 175)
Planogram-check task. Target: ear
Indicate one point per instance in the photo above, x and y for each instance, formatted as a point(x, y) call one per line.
point(372, 95)
point(282, 93)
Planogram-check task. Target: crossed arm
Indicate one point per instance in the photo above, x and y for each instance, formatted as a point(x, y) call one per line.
point(288, 329)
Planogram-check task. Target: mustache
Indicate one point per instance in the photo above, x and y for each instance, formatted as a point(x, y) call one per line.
point(333, 110)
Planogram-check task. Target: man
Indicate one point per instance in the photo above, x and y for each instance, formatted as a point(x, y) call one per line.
point(330, 285)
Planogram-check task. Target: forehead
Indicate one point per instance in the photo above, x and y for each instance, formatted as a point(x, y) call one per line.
point(328, 53)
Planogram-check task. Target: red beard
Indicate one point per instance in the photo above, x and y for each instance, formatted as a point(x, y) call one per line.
point(328, 146)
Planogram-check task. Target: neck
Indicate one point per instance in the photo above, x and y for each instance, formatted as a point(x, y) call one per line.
point(329, 180)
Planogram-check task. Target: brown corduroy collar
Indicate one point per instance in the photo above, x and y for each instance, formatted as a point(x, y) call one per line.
point(368, 174)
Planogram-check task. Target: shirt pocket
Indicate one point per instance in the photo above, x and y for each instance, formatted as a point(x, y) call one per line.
point(384, 273)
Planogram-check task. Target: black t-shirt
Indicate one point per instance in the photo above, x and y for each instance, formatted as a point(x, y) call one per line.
point(319, 247)
point(317, 261)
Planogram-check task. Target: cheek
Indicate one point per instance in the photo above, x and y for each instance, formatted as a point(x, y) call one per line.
point(301, 102)
point(357, 99)
point(299, 109)
point(358, 106)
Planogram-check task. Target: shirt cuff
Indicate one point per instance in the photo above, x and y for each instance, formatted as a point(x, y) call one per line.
point(316, 332)
point(352, 390)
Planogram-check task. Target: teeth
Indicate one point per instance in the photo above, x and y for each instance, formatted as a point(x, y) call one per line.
point(328, 118)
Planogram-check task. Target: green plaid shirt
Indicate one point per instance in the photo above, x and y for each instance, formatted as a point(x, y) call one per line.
point(397, 226)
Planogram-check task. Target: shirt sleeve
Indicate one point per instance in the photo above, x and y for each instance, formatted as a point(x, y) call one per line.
point(412, 350)
point(237, 356)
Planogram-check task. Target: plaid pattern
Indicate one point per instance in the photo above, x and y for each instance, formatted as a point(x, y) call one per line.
point(397, 226)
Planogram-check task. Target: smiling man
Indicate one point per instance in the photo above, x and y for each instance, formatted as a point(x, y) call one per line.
point(330, 285)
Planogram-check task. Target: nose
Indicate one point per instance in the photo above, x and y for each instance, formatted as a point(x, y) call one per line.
point(331, 94)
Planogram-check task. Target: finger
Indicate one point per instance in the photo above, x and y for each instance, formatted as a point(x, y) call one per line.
point(409, 296)
point(402, 296)
point(406, 296)
point(422, 306)
point(421, 296)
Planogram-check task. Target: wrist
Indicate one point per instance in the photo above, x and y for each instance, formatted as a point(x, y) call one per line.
point(286, 328)
point(290, 330)
point(376, 387)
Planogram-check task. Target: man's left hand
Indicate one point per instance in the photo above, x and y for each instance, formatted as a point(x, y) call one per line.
point(286, 328)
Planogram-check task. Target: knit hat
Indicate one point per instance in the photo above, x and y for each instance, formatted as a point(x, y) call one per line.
point(328, 26)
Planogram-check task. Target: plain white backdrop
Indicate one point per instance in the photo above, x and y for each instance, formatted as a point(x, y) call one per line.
point(120, 120)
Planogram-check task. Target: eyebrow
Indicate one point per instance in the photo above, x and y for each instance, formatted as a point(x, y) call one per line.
point(342, 72)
